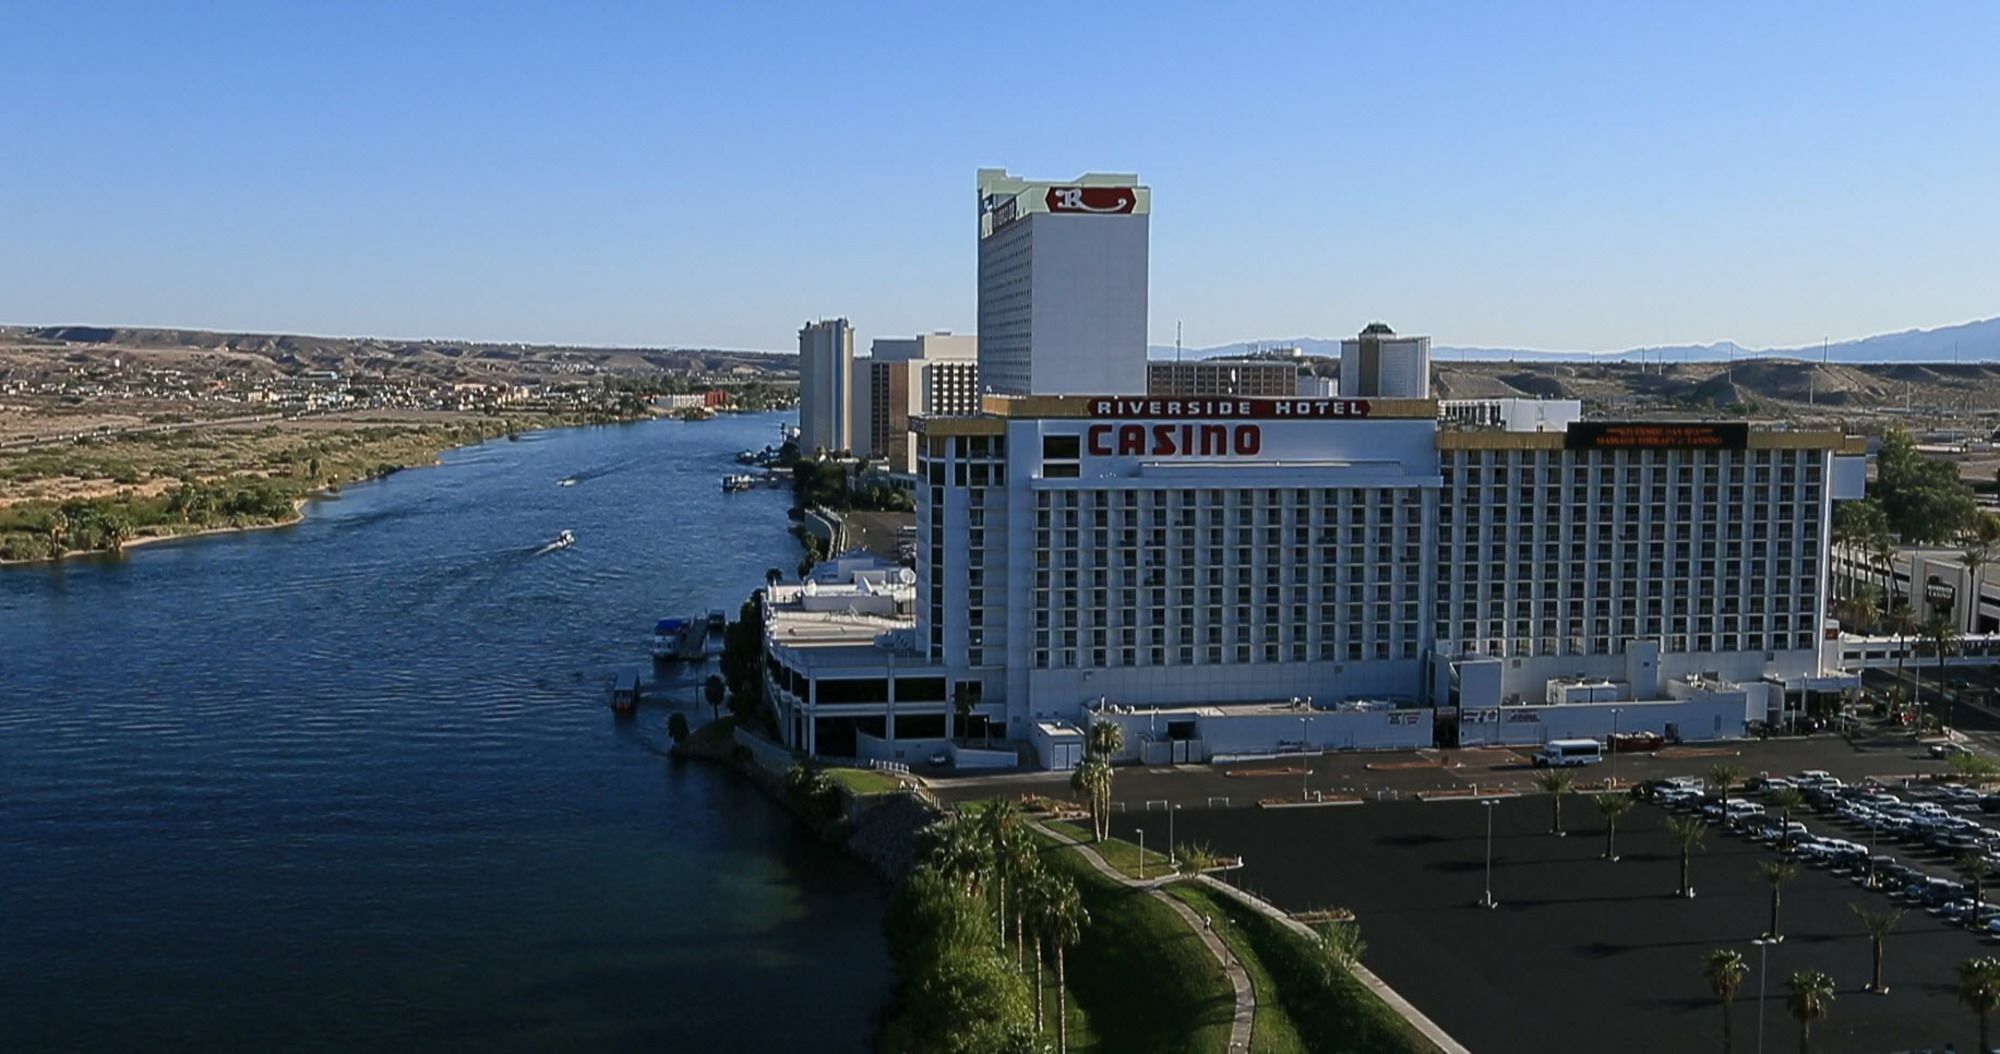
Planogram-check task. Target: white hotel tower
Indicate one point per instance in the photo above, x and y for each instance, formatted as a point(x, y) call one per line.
point(1231, 575)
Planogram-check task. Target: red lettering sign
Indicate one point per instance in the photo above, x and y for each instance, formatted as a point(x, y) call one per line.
point(1108, 200)
point(1136, 440)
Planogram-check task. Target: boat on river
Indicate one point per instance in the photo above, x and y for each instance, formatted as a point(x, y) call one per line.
point(679, 639)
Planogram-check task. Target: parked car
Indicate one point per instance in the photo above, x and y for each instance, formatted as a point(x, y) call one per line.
point(1947, 748)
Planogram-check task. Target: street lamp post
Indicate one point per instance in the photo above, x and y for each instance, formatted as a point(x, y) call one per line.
point(1486, 899)
point(1614, 750)
point(1171, 810)
point(1142, 854)
point(1763, 948)
point(1305, 764)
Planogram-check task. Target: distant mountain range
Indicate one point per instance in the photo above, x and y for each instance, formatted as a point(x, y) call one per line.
point(1969, 342)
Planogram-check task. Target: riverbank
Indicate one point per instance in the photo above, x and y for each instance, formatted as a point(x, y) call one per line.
point(103, 496)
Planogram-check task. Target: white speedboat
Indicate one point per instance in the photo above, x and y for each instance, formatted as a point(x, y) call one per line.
point(566, 481)
point(563, 541)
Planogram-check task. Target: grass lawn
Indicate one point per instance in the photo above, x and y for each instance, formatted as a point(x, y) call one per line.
point(1297, 1012)
point(1140, 976)
point(1120, 854)
point(863, 781)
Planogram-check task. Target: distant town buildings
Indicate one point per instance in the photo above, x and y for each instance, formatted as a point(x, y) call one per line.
point(1380, 364)
point(933, 374)
point(826, 385)
point(1255, 377)
point(1062, 284)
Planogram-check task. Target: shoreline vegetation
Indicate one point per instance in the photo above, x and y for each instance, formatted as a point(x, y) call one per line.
point(96, 497)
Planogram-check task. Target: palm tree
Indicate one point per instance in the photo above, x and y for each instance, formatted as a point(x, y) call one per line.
point(1863, 611)
point(1941, 636)
point(1902, 623)
point(1093, 779)
point(1556, 783)
point(958, 851)
point(1107, 738)
point(962, 704)
point(1686, 832)
point(1000, 829)
point(1811, 996)
point(1976, 868)
point(1777, 873)
point(1721, 777)
point(1974, 559)
point(1788, 800)
point(712, 690)
point(1979, 990)
point(1611, 806)
point(1037, 892)
point(1724, 970)
point(1063, 923)
point(57, 529)
point(1878, 924)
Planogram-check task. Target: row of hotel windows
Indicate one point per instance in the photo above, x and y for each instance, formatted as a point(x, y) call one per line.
point(1068, 656)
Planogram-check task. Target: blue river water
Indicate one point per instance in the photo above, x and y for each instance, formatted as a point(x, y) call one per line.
point(353, 785)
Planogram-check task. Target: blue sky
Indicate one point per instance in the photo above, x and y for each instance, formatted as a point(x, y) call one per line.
point(1588, 175)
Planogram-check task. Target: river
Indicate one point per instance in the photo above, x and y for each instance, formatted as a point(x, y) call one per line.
point(353, 784)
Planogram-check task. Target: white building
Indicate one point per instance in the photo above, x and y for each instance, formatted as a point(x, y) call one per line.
point(1380, 364)
point(1230, 575)
point(1062, 284)
point(931, 375)
point(1265, 378)
point(826, 385)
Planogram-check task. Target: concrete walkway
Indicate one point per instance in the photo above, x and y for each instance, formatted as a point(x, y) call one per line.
point(1403, 1007)
point(1243, 1020)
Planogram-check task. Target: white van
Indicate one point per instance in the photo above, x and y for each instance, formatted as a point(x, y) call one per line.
point(1562, 753)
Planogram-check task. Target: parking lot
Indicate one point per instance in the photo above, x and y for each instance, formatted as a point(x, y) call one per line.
point(1386, 776)
point(1584, 954)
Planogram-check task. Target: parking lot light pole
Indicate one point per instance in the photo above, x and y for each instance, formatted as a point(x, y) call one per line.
point(1763, 948)
point(1171, 810)
point(1142, 854)
point(1614, 750)
point(1486, 899)
point(1305, 763)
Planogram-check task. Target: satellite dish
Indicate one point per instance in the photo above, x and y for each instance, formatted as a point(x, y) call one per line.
point(906, 576)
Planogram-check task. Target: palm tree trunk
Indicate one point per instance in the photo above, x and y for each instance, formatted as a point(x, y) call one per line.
point(1728, 1030)
point(1774, 910)
point(1000, 903)
point(1805, 1038)
point(1684, 873)
point(1983, 1044)
point(1038, 986)
point(1611, 840)
point(1877, 985)
point(1062, 1005)
point(1020, 941)
point(1556, 825)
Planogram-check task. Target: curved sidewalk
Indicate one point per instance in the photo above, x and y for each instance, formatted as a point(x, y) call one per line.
point(1243, 1020)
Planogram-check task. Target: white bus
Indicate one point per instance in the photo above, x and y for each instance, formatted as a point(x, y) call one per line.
point(1562, 753)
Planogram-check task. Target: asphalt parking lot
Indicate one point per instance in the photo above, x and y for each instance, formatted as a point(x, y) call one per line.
point(1584, 954)
point(1388, 776)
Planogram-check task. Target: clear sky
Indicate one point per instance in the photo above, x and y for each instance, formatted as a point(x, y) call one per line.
point(1588, 175)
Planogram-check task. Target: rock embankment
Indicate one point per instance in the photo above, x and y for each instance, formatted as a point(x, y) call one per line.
point(888, 832)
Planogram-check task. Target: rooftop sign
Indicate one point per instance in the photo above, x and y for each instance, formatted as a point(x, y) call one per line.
point(1657, 435)
point(1135, 407)
point(1108, 200)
